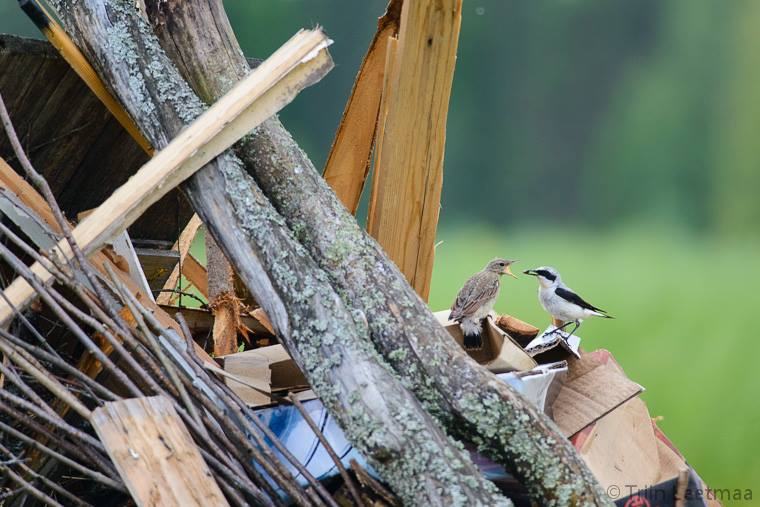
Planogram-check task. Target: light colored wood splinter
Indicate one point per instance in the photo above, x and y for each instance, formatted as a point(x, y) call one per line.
point(348, 164)
point(182, 245)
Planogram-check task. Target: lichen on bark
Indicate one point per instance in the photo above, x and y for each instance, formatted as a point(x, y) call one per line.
point(470, 401)
point(328, 340)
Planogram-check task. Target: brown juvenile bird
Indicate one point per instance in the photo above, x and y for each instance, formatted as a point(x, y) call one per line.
point(476, 299)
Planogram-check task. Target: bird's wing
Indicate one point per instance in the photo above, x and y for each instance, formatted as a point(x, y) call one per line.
point(475, 292)
point(574, 298)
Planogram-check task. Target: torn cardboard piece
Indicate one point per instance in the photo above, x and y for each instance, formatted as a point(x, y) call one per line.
point(270, 369)
point(541, 385)
point(632, 458)
point(621, 448)
point(550, 347)
point(500, 353)
point(520, 331)
point(595, 386)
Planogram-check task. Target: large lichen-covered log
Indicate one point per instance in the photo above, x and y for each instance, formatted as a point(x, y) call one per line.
point(467, 398)
point(329, 342)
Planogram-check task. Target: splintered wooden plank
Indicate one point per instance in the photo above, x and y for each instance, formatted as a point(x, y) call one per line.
point(377, 190)
point(182, 246)
point(196, 274)
point(348, 164)
point(410, 161)
point(300, 62)
point(155, 454)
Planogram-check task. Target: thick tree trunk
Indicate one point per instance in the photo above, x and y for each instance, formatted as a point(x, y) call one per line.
point(467, 398)
point(330, 344)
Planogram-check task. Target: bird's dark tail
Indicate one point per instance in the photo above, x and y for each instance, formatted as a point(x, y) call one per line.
point(473, 341)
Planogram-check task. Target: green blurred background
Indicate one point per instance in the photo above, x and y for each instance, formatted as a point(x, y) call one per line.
point(618, 141)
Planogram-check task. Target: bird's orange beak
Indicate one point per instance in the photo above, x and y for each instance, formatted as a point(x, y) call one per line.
point(508, 271)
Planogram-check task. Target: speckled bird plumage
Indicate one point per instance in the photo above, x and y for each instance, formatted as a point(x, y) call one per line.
point(476, 299)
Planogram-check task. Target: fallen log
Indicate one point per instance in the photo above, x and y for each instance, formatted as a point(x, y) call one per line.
point(329, 343)
point(467, 398)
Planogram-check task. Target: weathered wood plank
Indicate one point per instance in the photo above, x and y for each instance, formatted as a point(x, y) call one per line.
point(410, 163)
point(155, 454)
point(71, 138)
point(253, 100)
point(348, 163)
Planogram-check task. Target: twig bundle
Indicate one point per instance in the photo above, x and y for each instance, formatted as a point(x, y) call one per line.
point(46, 402)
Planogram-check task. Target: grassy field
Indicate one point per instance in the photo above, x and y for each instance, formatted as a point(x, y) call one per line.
point(683, 325)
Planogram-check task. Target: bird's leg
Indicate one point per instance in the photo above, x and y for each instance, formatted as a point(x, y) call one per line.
point(577, 325)
point(560, 328)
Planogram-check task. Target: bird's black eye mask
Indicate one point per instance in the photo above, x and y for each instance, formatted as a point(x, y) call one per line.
point(546, 274)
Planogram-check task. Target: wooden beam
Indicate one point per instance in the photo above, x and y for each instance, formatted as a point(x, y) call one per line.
point(348, 163)
point(155, 454)
point(201, 320)
point(410, 161)
point(183, 244)
point(196, 274)
point(302, 61)
point(222, 301)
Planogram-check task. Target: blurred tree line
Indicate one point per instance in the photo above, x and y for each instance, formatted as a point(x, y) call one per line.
point(593, 112)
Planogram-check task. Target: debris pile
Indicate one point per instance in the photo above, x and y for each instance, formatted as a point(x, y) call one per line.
point(311, 371)
point(595, 405)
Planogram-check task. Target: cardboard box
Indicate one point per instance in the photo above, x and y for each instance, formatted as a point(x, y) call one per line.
point(519, 330)
point(500, 352)
point(269, 369)
point(636, 464)
point(551, 347)
point(595, 386)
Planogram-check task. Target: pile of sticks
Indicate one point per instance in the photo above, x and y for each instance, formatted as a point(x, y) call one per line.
point(49, 405)
point(405, 394)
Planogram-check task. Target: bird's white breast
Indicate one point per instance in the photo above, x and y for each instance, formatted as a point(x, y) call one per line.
point(558, 307)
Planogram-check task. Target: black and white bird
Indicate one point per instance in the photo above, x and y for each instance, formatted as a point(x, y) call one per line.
point(560, 301)
point(476, 299)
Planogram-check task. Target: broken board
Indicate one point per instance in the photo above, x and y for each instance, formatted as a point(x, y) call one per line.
point(154, 453)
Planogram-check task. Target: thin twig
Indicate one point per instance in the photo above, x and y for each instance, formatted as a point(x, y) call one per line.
point(93, 474)
point(347, 479)
point(52, 485)
point(29, 488)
